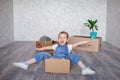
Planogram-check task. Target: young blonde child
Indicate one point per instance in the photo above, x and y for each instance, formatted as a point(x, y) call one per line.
point(62, 50)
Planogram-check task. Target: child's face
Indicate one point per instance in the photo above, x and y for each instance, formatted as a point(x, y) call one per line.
point(62, 39)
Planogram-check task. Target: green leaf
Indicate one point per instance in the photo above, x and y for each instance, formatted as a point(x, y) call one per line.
point(88, 25)
point(90, 28)
point(95, 21)
point(96, 27)
point(91, 24)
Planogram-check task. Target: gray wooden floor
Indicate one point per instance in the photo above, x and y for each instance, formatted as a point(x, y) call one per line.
point(106, 63)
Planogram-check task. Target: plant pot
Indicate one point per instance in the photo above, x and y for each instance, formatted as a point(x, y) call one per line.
point(93, 35)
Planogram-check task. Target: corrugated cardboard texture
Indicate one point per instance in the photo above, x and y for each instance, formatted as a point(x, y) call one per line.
point(93, 46)
point(40, 44)
point(54, 65)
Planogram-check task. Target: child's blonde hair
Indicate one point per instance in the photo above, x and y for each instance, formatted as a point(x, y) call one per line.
point(63, 32)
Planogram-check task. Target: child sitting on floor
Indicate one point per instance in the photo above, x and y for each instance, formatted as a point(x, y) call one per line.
point(62, 50)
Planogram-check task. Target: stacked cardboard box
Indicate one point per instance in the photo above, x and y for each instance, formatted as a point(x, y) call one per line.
point(93, 46)
point(54, 65)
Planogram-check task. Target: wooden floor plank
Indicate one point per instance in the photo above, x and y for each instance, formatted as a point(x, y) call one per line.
point(106, 63)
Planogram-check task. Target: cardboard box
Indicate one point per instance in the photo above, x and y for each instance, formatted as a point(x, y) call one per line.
point(40, 44)
point(55, 65)
point(93, 46)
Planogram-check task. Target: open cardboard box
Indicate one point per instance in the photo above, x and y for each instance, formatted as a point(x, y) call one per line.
point(55, 65)
point(93, 46)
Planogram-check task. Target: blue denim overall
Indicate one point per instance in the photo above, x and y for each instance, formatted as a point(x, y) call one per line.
point(60, 52)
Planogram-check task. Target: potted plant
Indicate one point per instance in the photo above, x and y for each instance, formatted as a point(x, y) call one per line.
point(92, 25)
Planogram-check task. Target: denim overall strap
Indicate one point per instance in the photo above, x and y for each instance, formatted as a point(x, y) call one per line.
point(61, 51)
